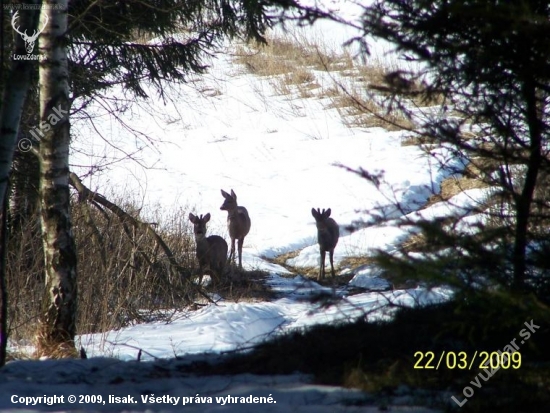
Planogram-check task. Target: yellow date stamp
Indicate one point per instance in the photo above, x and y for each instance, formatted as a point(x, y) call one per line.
point(462, 360)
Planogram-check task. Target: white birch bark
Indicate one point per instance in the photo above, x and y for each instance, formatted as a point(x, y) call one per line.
point(58, 323)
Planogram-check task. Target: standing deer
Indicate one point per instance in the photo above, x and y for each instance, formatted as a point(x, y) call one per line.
point(327, 237)
point(238, 223)
point(211, 251)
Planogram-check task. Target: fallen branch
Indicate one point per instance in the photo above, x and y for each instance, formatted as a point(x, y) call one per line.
point(86, 194)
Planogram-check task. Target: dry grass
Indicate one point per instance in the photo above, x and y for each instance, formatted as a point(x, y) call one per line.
point(313, 272)
point(124, 276)
point(453, 186)
point(289, 54)
point(247, 286)
point(415, 243)
point(24, 279)
point(302, 68)
point(282, 259)
point(356, 262)
point(360, 110)
point(417, 140)
point(449, 188)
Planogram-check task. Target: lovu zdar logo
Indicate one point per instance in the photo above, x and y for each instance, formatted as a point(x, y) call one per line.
point(29, 40)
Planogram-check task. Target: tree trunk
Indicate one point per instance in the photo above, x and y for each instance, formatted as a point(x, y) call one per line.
point(524, 200)
point(58, 323)
point(3, 285)
point(16, 86)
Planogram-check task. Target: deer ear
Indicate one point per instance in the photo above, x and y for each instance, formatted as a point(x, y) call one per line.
point(207, 217)
point(326, 213)
point(233, 195)
point(225, 194)
point(192, 217)
point(314, 213)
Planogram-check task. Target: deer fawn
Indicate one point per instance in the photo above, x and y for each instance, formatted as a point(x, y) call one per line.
point(327, 237)
point(238, 223)
point(211, 251)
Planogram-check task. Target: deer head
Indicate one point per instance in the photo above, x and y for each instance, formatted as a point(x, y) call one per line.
point(29, 40)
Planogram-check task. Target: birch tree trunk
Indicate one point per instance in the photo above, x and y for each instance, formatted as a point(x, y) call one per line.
point(58, 322)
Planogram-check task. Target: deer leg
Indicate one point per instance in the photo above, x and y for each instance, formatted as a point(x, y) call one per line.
point(322, 265)
point(240, 246)
point(207, 270)
point(232, 255)
point(213, 276)
point(219, 271)
point(201, 274)
point(331, 255)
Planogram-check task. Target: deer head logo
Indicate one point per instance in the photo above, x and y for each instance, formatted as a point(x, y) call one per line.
point(29, 40)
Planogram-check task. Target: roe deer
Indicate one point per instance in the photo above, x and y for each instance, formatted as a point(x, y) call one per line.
point(211, 251)
point(238, 223)
point(327, 237)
